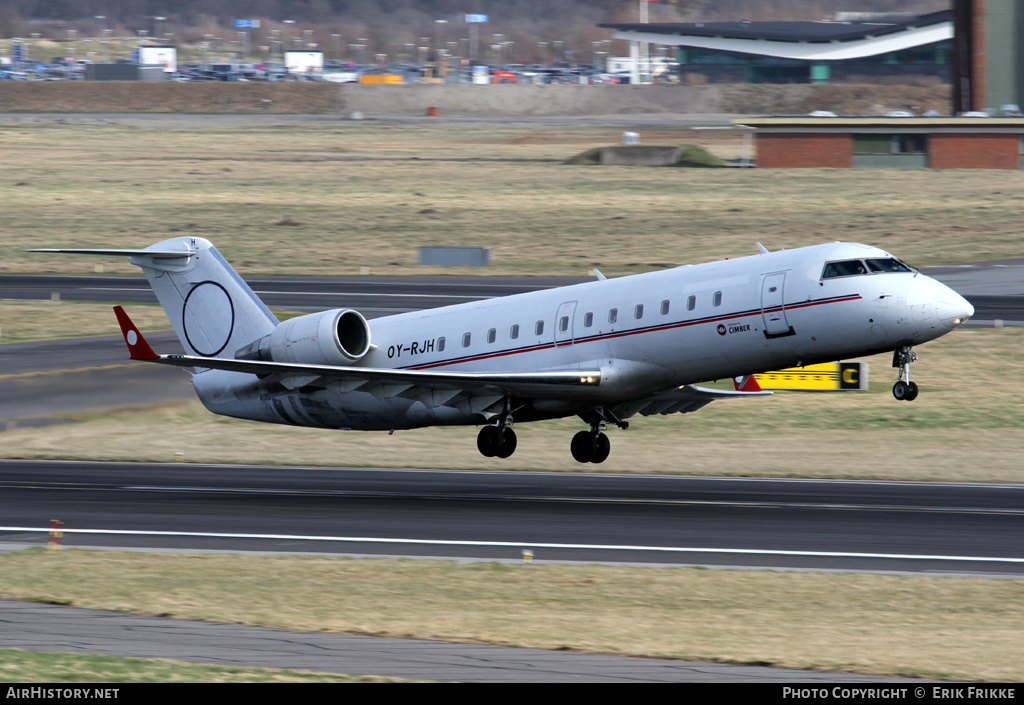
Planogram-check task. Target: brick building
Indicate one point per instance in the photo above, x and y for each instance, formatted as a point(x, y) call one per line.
point(895, 142)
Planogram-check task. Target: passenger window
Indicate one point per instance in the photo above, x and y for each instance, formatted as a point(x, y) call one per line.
point(563, 324)
point(440, 344)
point(539, 328)
point(691, 303)
point(492, 334)
point(514, 333)
point(664, 307)
point(613, 315)
point(638, 312)
point(717, 301)
point(465, 340)
point(588, 320)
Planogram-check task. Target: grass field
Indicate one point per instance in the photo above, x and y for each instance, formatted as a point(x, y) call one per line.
point(941, 627)
point(331, 196)
point(20, 666)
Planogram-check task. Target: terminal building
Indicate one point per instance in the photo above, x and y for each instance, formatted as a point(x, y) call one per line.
point(977, 46)
point(852, 48)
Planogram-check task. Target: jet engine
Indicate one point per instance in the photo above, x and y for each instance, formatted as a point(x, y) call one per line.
point(337, 337)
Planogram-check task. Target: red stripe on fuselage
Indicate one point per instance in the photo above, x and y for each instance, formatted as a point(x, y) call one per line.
point(636, 331)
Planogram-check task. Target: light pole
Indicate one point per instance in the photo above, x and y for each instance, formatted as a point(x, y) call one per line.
point(284, 36)
point(437, 39)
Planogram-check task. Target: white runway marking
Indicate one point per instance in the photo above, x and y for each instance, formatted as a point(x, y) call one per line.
point(527, 544)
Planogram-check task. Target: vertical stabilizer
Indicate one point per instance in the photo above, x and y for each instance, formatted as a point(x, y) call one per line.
point(212, 310)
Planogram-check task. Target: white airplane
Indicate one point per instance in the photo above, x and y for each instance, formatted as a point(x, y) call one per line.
point(603, 350)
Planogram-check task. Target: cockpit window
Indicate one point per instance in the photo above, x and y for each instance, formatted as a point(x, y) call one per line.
point(854, 267)
point(888, 264)
point(846, 268)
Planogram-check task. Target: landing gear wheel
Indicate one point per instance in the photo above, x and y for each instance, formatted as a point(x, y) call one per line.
point(587, 447)
point(493, 441)
point(602, 447)
point(508, 443)
point(487, 441)
point(580, 447)
point(904, 389)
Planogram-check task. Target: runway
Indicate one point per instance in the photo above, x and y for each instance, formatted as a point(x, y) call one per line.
point(666, 520)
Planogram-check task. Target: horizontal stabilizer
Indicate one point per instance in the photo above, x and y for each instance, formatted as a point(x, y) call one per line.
point(156, 254)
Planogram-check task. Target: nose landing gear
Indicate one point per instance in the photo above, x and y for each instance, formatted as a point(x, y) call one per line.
point(904, 389)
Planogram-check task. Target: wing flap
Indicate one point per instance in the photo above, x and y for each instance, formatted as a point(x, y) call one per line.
point(681, 400)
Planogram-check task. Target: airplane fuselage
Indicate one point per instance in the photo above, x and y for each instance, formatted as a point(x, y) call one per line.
point(646, 333)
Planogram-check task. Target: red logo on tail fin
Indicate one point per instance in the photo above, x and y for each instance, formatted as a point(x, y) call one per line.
point(747, 383)
point(137, 345)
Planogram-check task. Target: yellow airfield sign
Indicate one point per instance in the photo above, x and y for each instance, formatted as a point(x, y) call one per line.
point(829, 376)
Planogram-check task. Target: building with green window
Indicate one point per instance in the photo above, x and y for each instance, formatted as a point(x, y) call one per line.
point(854, 48)
point(893, 142)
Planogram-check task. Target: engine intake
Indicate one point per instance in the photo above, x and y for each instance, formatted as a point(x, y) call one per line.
point(337, 337)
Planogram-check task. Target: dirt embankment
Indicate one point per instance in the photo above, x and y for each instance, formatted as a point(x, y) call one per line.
point(167, 97)
point(464, 100)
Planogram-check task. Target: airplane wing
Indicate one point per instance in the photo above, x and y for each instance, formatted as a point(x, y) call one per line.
point(476, 391)
point(681, 400)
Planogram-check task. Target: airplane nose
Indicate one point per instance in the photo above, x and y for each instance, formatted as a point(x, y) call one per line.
point(949, 307)
point(954, 311)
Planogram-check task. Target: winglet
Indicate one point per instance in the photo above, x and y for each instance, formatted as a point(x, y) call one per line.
point(747, 383)
point(137, 345)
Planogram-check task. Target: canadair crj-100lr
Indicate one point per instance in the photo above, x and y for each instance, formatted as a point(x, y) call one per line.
point(603, 350)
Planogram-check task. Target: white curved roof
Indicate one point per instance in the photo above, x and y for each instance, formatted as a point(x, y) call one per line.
point(819, 41)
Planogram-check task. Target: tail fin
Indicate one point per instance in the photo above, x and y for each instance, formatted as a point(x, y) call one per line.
point(746, 383)
point(212, 310)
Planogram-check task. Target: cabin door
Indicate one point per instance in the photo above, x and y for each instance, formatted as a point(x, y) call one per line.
point(773, 309)
point(563, 323)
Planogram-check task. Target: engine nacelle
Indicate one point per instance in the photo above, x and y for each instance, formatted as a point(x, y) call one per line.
point(337, 337)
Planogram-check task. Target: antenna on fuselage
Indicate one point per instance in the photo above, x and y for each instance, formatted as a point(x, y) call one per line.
point(597, 273)
point(761, 248)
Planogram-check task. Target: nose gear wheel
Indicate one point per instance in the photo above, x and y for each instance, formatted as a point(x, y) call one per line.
point(904, 389)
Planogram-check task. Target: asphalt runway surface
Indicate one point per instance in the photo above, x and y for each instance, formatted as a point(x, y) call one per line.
point(929, 528)
point(942, 528)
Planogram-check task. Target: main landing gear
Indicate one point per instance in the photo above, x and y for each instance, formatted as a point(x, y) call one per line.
point(904, 389)
point(498, 440)
point(593, 446)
